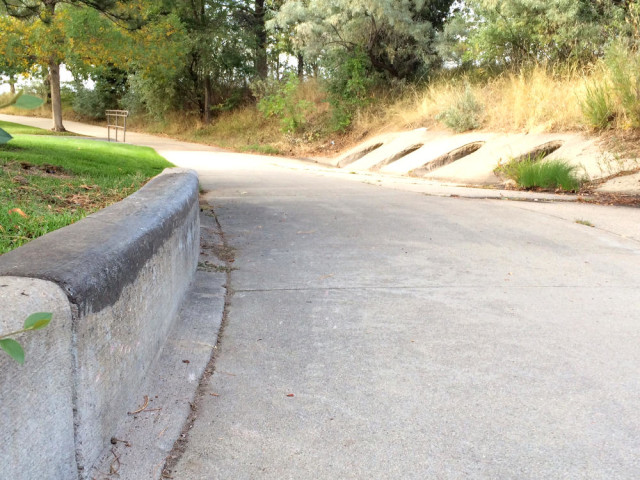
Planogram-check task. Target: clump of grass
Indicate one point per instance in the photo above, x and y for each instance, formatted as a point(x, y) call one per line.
point(464, 114)
point(622, 64)
point(49, 182)
point(533, 173)
point(597, 106)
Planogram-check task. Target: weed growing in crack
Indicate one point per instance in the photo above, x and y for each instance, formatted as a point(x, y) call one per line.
point(586, 223)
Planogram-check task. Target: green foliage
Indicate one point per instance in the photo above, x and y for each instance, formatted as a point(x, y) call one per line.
point(110, 85)
point(534, 173)
point(623, 65)
point(35, 321)
point(282, 100)
point(617, 95)
point(90, 103)
point(349, 84)
point(397, 36)
point(515, 32)
point(13, 348)
point(4, 136)
point(597, 106)
point(465, 114)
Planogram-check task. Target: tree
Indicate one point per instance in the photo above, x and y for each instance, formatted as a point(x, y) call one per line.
point(397, 36)
point(13, 62)
point(46, 32)
point(511, 33)
point(218, 54)
point(147, 59)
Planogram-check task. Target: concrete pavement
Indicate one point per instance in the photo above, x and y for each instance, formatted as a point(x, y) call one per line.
point(377, 332)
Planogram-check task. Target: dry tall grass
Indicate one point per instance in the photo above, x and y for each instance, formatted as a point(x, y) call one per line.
point(533, 100)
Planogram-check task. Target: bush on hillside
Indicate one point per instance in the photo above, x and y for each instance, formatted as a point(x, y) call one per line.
point(464, 114)
point(597, 106)
point(349, 86)
point(282, 100)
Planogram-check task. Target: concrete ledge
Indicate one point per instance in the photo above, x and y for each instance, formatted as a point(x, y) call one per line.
point(124, 272)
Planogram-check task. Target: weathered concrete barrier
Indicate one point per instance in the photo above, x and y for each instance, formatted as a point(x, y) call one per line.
point(114, 282)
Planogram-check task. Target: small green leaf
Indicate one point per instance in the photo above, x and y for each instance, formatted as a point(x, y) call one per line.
point(4, 137)
point(36, 321)
point(13, 348)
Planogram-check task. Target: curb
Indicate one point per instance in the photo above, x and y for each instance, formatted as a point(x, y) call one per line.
point(115, 282)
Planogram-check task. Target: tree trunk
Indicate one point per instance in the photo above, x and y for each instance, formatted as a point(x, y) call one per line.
point(262, 68)
point(12, 84)
point(56, 101)
point(207, 100)
point(300, 66)
point(54, 79)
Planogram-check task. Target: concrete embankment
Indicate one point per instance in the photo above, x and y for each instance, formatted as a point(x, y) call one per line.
point(114, 282)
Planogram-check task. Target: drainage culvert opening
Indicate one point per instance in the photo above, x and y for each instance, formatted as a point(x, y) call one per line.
point(508, 168)
point(359, 154)
point(397, 156)
point(447, 158)
point(535, 171)
point(540, 151)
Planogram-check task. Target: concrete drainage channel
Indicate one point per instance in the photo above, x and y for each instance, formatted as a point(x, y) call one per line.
point(470, 159)
point(107, 386)
point(446, 159)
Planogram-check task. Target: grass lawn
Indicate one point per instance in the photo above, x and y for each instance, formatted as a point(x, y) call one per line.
point(17, 129)
point(49, 182)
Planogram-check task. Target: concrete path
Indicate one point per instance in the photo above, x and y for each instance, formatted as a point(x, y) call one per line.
point(377, 332)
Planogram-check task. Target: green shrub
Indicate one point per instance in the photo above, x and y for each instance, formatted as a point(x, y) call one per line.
point(283, 101)
point(349, 85)
point(465, 114)
point(110, 85)
point(90, 103)
point(597, 106)
point(534, 173)
point(623, 65)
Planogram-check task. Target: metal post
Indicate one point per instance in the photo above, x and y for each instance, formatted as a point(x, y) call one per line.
point(113, 121)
